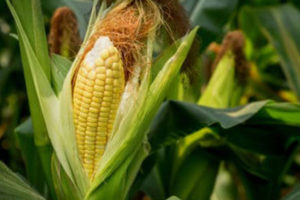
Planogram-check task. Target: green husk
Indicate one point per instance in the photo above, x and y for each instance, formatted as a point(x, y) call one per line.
point(29, 15)
point(223, 89)
point(13, 186)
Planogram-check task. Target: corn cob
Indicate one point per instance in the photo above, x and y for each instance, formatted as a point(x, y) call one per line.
point(97, 91)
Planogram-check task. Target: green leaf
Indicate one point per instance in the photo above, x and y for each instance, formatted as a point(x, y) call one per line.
point(296, 3)
point(193, 178)
point(256, 188)
point(29, 19)
point(188, 4)
point(30, 16)
point(225, 188)
point(196, 176)
point(157, 173)
point(267, 184)
point(59, 70)
point(261, 137)
point(30, 155)
point(262, 127)
point(281, 27)
point(64, 187)
point(262, 175)
point(13, 187)
point(163, 58)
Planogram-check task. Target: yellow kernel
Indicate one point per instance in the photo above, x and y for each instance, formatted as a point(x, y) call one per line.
point(115, 66)
point(95, 104)
point(103, 142)
point(81, 128)
point(81, 119)
point(83, 71)
point(115, 74)
point(101, 124)
point(104, 109)
point(100, 70)
point(109, 81)
point(88, 161)
point(89, 141)
point(91, 128)
point(108, 93)
point(111, 50)
point(109, 61)
point(99, 88)
point(109, 73)
point(86, 100)
point(93, 120)
point(89, 157)
point(91, 133)
point(102, 119)
point(108, 87)
point(109, 125)
point(83, 114)
point(76, 101)
point(105, 54)
point(101, 76)
point(94, 110)
point(92, 75)
point(89, 82)
point(92, 124)
point(85, 106)
point(99, 62)
point(96, 99)
point(101, 129)
point(80, 85)
point(99, 82)
point(93, 115)
point(107, 98)
point(116, 90)
point(98, 95)
point(87, 94)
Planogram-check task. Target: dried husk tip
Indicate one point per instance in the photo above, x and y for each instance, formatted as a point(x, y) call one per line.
point(234, 41)
point(64, 38)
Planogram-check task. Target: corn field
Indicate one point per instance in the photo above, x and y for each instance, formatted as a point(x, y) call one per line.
point(149, 100)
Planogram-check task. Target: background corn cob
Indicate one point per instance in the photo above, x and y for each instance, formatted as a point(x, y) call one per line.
point(64, 38)
point(99, 84)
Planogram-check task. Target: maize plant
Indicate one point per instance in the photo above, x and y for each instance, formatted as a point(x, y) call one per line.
point(97, 122)
point(140, 99)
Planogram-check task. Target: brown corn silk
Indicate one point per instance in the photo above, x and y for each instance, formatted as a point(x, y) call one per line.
point(64, 38)
point(177, 25)
point(235, 41)
point(128, 28)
